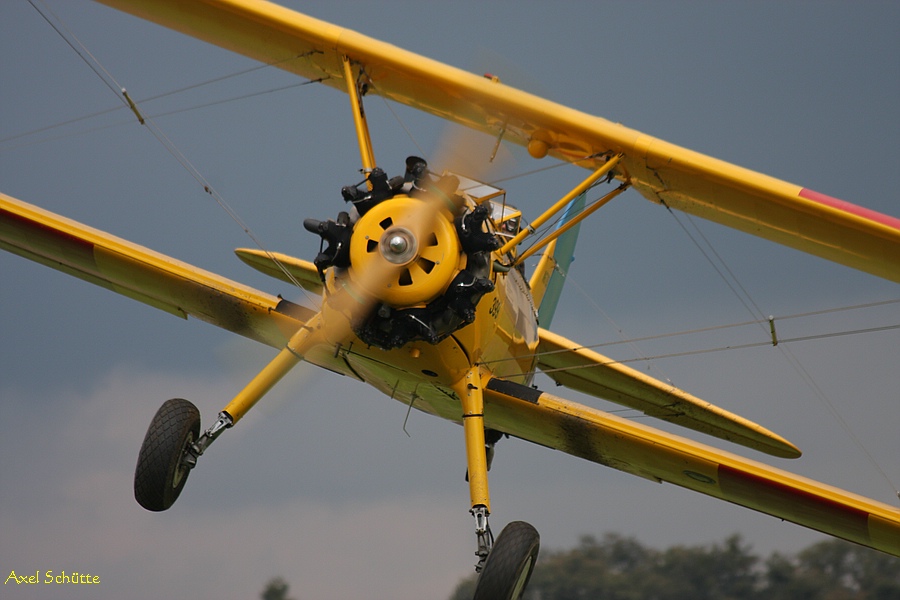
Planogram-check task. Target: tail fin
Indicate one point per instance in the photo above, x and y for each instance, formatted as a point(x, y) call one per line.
point(550, 274)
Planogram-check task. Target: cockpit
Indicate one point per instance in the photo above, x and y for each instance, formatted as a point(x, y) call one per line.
point(506, 218)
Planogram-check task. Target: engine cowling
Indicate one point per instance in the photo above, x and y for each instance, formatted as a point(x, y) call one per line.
point(414, 244)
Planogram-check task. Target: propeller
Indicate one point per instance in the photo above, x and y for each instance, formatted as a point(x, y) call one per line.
point(404, 254)
point(475, 154)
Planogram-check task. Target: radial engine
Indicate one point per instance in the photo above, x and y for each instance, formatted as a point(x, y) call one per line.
point(412, 250)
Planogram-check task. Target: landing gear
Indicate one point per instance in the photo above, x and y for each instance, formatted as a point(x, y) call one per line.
point(509, 565)
point(173, 442)
point(161, 473)
point(505, 565)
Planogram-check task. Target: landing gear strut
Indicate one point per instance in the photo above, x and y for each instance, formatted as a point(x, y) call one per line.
point(173, 442)
point(483, 535)
point(504, 565)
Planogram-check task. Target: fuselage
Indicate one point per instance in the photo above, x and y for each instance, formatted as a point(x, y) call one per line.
point(503, 338)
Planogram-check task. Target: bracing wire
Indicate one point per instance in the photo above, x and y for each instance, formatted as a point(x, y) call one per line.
point(75, 44)
point(401, 122)
point(33, 132)
point(622, 339)
point(107, 78)
point(729, 347)
point(131, 120)
point(151, 98)
point(62, 124)
point(744, 297)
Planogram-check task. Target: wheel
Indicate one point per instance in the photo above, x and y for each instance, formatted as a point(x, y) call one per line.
point(159, 475)
point(509, 565)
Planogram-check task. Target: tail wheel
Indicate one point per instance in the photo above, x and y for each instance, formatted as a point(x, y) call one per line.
point(509, 565)
point(160, 474)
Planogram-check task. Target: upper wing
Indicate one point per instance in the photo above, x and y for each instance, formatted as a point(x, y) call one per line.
point(581, 369)
point(665, 173)
point(615, 442)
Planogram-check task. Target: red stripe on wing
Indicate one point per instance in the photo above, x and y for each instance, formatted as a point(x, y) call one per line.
point(845, 206)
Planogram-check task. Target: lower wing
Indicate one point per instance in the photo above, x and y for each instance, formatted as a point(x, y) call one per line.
point(582, 369)
point(597, 436)
point(144, 275)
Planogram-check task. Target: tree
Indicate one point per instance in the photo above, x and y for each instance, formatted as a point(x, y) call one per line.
point(726, 572)
point(843, 571)
point(276, 589)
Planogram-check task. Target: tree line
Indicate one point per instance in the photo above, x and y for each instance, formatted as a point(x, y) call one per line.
point(620, 568)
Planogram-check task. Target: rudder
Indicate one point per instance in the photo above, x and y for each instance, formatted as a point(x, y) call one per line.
point(550, 274)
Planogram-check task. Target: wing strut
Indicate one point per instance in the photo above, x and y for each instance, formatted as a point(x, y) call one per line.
point(359, 119)
point(575, 221)
point(562, 203)
point(293, 352)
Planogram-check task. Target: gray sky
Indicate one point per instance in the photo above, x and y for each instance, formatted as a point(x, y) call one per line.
point(319, 484)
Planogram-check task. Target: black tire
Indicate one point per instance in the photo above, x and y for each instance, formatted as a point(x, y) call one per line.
point(159, 475)
point(509, 565)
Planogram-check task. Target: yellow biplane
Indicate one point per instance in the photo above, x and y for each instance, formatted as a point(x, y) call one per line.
point(424, 296)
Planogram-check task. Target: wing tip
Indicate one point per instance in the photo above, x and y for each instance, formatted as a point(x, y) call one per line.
point(781, 448)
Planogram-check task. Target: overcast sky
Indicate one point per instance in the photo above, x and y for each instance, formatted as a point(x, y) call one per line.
point(320, 484)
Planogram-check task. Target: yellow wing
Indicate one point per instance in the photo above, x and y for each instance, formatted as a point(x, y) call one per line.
point(150, 277)
point(295, 271)
point(665, 173)
point(581, 369)
point(640, 450)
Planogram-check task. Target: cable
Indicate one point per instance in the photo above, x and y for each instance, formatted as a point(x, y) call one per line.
point(744, 297)
point(167, 143)
point(144, 101)
point(762, 322)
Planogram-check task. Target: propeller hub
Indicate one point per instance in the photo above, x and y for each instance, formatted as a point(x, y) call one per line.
point(398, 245)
